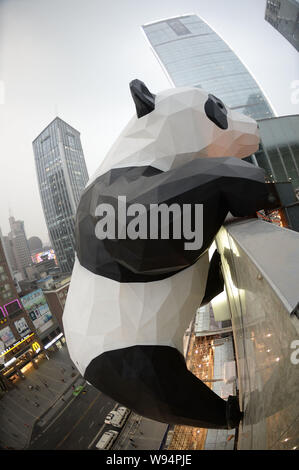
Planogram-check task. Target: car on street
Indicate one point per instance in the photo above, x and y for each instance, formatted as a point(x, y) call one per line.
point(107, 440)
point(78, 390)
point(109, 417)
point(117, 417)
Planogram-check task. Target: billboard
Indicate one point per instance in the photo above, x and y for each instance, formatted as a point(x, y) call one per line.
point(36, 306)
point(37, 258)
point(7, 337)
point(22, 327)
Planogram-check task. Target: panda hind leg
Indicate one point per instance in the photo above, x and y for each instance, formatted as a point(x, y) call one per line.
point(155, 382)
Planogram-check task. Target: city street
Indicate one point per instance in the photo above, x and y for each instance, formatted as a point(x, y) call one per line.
point(41, 412)
point(31, 398)
point(76, 425)
point(80, 424)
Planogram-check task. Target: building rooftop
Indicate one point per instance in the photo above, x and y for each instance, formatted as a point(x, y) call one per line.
point(57, 118)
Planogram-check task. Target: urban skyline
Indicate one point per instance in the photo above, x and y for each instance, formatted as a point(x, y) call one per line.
point(71, 67)
point(84, 98)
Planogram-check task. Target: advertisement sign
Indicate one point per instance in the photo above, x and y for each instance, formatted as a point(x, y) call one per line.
point(36, 306)
point(35, 346)
point(50, 254)
point(22, 327)
point(7, 337)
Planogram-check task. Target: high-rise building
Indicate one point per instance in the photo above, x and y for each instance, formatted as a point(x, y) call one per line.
point(17, 248)
point(192, 54)
point(9, 252)
point(278, 153)
point(283, 15)
point(62, 176)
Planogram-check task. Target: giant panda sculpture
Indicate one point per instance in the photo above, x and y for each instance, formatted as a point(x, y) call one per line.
point(132, 298)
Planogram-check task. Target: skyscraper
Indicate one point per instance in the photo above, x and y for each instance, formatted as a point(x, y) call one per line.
point(192, 54)
point(62, 176)
point(279, 149)
point(17, 248)
point(283, 15)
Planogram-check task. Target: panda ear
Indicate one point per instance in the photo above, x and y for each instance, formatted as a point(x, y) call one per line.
point(144, 100)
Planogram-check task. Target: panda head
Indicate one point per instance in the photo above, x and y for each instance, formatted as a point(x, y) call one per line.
point(178, 125)
point(196, 120)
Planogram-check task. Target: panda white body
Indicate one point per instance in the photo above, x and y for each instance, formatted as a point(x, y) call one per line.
point(132, 307)
point(105, 314)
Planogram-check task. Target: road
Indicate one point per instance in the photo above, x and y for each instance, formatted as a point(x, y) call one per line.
point(62, 421)
point(77, 425)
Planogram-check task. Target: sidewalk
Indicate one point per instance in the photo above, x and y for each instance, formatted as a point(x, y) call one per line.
point(22, 407)
point(141, 434)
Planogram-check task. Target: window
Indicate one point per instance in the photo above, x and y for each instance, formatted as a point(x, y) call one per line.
point(46, 145)
point(178, 27)
point(71, 140)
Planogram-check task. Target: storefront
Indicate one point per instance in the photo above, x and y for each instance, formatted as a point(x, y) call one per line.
point(20, 357)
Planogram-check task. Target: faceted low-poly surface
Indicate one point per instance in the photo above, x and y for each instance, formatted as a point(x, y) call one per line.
point(220, 185)
point(132, 298)
point(178, 130)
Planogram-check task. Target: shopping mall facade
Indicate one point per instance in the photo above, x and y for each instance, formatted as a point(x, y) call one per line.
point(27, 328)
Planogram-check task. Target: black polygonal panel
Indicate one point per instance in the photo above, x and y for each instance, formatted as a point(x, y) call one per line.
point(215, 281)
point(220, 184)
point(154, 382)
point(216, 111)
point(144, 100)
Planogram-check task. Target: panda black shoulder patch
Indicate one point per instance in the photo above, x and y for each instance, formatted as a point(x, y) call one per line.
point(194, 199)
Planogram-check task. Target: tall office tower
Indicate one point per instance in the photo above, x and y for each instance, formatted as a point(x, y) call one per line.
point(9, 252)
point(283, 15)
point(192, 54)
point(62, 176)
point(17, 247)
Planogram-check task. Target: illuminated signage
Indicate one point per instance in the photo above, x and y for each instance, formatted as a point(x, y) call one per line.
point(12, 307)
point(39, 257)
point(3, 315)
point(53, 340)
point(35, 346)
point(7, 350)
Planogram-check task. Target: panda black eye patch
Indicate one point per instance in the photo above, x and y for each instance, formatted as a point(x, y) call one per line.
point(216, 111)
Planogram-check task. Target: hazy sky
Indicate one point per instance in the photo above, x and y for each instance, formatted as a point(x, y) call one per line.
point(75, 59)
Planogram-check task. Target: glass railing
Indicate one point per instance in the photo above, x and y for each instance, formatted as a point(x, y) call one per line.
point(260, 263)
